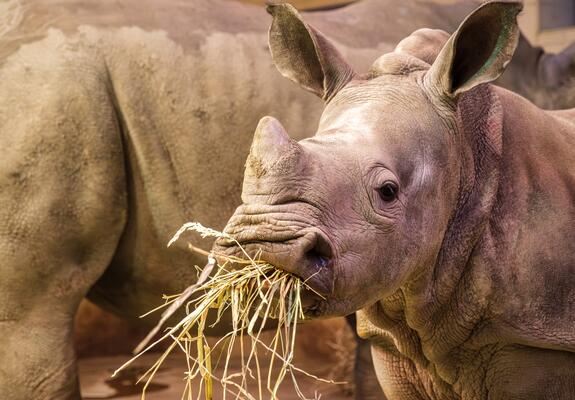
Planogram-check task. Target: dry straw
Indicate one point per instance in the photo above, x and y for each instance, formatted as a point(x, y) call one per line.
point(254, 294)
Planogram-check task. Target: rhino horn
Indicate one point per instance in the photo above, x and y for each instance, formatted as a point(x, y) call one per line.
point(271, 144)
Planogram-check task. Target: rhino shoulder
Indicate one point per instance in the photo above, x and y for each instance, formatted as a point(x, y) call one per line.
point(58, 126)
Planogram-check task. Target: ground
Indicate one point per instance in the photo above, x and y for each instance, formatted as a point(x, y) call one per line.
point(325, 348)
point(97, 384)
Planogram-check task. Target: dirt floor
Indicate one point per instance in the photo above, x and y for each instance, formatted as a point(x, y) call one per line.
point(324, 348)
point(96, 382)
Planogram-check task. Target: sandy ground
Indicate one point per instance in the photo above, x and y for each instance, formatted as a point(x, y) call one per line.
point(96, 382)
point(325, 348)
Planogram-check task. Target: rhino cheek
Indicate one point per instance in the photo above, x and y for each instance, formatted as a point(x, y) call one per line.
point(383, 262)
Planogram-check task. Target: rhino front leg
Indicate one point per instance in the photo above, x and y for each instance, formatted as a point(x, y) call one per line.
point(62, 212)
point(48, 263)
point(43, 278)
point(366, 384)
point(38, 360)
point(49, 258)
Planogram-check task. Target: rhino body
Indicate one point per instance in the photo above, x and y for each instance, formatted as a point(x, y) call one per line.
point(120, 120)
point(438, 206)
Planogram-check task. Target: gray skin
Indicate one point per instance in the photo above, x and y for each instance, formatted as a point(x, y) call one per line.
point(120, 120)
point(436, 205)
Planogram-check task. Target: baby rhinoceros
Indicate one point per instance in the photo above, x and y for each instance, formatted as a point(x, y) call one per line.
point(439, 206)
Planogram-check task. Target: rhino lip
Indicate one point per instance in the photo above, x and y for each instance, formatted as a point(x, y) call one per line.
point(314, 280)
point(314, 274)
point(311, 302)
point(316, 287)
point(308, 254)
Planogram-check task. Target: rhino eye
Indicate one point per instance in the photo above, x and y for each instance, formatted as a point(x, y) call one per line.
point(388, 191)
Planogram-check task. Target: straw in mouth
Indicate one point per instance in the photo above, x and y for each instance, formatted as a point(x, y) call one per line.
point(253, 294)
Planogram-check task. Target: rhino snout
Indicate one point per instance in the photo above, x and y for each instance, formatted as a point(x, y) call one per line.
point(307, 254)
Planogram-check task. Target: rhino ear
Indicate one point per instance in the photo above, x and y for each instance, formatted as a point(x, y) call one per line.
point(478, 51)
point(304, 55)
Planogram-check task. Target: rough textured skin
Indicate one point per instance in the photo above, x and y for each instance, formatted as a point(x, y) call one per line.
point(439, 206)
point(108, 136)
point(119, 121)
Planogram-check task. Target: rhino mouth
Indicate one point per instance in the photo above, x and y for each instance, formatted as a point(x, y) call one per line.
point(307, 254)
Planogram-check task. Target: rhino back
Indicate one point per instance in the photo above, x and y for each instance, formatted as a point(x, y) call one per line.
point(370, 23)
point(184, 101)
point(188, 118)
point(189, 83)
point(30, 19)
point(532, 226)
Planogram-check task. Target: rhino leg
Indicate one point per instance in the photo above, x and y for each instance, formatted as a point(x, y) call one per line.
point(62, 211)
point(48, 262)
point(366, 384)
point(38, 360)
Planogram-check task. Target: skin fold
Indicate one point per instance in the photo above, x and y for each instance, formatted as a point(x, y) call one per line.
point(120, 120)
point(436, 205)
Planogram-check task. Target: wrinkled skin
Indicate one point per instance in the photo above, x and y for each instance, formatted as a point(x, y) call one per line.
point(113, 115)
point(437, 205)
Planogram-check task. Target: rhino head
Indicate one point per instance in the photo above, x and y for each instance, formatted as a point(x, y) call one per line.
point(402, 164)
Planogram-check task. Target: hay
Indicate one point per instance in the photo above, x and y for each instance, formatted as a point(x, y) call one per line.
point(253, 294)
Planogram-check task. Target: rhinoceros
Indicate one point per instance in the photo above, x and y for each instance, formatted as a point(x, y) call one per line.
point(439, 207)
point(122, 119)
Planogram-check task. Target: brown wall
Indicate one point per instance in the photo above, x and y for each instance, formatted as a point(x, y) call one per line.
point(99, 333)
point(306, 4)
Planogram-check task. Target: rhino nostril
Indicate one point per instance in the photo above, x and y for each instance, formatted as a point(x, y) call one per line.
point(316, 259)
point(320, 252)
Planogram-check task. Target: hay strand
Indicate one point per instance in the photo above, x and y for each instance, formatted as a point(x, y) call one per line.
point(253, 294)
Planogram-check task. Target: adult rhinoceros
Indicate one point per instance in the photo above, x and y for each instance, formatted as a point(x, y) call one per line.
point(122, 119)
point(440, 206)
